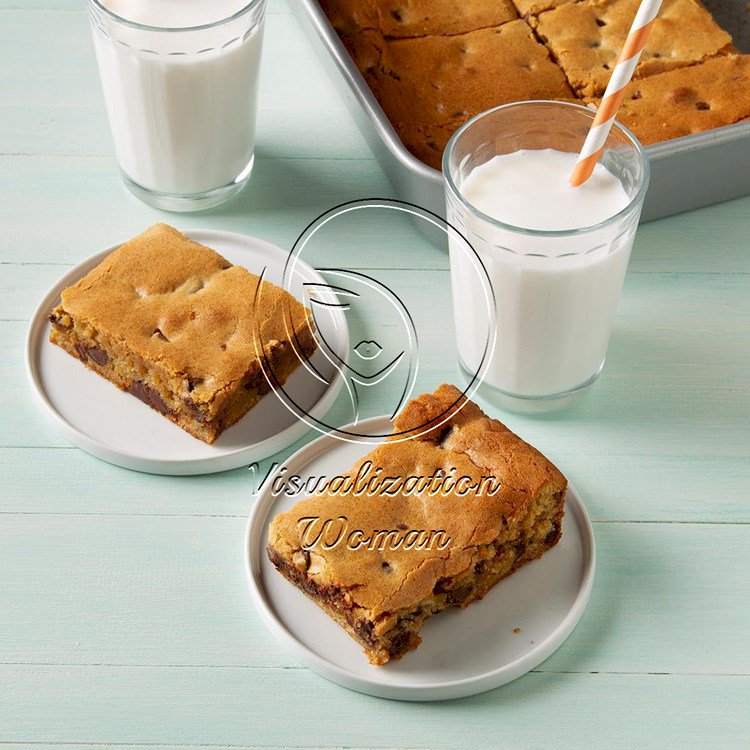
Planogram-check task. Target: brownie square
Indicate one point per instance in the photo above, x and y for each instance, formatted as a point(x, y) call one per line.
point(444, 80)
point(381, 593)
point(182, 329)
point(688, 100)
point(586, 38)
point(409, 18)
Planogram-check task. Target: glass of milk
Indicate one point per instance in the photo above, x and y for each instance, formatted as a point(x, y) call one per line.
point(556, 255)
point(180, 81)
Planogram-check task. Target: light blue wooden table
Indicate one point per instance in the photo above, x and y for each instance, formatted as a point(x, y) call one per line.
point(124, 615)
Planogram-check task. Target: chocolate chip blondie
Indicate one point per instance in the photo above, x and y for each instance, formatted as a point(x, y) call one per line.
point(586, 37)
point(433, 65)
point(179, 327)
point(461, 84)
point(396, 18)
point(381, 593)
point(688, 100)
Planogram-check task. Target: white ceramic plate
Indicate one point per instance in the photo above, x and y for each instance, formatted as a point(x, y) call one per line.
point(118, 428)
point(463, 652)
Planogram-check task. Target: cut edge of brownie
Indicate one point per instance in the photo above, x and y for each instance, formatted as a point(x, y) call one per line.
point(122, 367)
point(527, 537)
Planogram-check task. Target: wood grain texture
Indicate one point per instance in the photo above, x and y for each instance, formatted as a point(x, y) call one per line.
point(124, 615)
point(293, 708)
point(139, 580)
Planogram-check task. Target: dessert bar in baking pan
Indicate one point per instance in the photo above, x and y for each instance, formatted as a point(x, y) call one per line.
point(686, 173)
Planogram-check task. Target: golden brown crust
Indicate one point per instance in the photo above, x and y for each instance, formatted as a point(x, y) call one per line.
point(585, 38)
point(427, 62)
point(688, 100)
point(383, 583)
point(439, 80)
point(535, 7)
point(178, 326)
point(410, 18)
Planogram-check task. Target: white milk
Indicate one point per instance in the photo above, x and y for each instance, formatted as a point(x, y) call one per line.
point(556, 296)
point(181, 104)
point(175, 14)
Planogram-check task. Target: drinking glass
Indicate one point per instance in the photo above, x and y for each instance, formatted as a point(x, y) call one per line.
point(181, 104)
point(556, 292)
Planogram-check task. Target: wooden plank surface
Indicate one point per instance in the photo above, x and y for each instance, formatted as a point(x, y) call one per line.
point(124, 616)
point(184, 706)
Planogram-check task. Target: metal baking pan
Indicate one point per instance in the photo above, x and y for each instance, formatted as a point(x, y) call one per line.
point(686, 173)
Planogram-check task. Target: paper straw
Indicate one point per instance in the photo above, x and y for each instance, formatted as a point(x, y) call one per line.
point(610, 103)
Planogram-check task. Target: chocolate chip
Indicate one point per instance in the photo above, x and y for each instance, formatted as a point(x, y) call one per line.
point(148, 395)
point(56, 320)
point(99, 356)
point(86, 352)
point(364, 630)
point(682, 95)
point(600, 22)
point(440, 586)
point(83, 352)
point(197, 411)
point(458, 595)
point(254, 381)
point(553, 535)
point(703, 105)
point(399, 643)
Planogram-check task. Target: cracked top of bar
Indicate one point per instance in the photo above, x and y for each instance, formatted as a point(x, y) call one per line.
point(177, 303)
point(383, 581)
point(446, 79)
point(413, 18)
point(586, 38)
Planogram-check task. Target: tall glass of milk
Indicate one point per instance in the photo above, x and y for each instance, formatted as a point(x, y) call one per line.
point(180, 81)
point(556, 255)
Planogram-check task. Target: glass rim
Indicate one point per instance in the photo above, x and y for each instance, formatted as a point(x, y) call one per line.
point(251, 5)
point(633, 202)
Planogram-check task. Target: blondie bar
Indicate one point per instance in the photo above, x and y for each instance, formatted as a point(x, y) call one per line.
point(688, 100)
point(429, 86)
point(585, 38)
point(382, 592)
point(432, 65)
point(175, 324)
point(412, 18)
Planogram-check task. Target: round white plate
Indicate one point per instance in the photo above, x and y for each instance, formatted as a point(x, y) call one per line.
point(463, 652)
point(118, 428)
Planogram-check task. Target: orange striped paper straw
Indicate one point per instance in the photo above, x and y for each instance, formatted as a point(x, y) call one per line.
point(610, 103)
